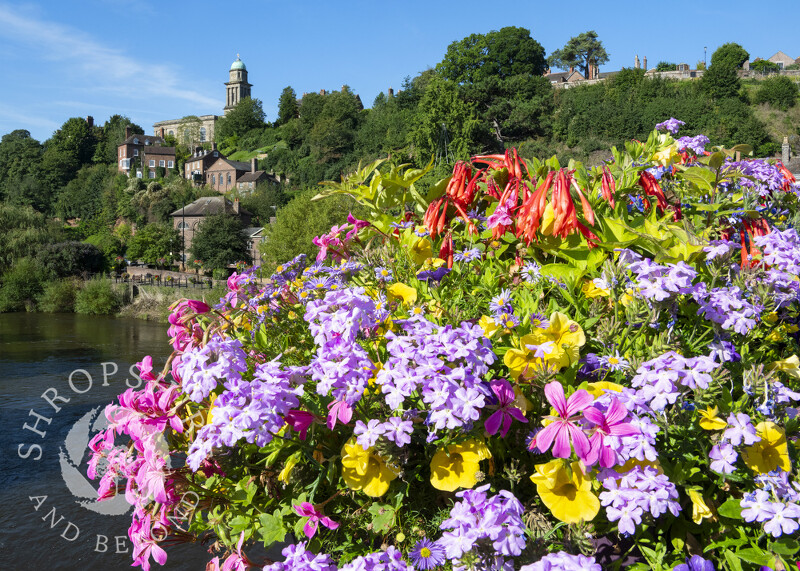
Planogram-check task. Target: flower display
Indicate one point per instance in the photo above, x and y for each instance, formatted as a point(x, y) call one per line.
point(524, 365)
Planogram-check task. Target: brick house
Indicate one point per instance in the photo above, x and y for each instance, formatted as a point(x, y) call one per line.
point(186, 220)
point(146, 152)
point(225, 175)
point(195, 167)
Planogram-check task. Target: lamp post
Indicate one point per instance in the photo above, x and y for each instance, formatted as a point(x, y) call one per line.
point(705, 57)
point(183, 238)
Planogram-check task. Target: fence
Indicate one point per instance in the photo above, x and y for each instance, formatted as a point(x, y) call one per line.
point(168, 281)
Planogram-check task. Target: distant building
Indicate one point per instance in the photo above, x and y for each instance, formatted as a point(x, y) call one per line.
point(186, 220)
point(144, 153)
point(196, 166)
point(202, 129)
point(782, 60)
point(225, 175)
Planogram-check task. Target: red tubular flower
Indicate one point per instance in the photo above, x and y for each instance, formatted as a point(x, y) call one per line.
point(608, 186)
point(651, 188)
point(789, 178)
point(446, 251)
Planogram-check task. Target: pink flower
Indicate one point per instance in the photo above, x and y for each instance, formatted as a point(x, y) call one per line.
point(315, 518)
point(608, 424)
point(357, 225)
point(299, 420)
point(505, 411)
point(562, 428)
point(144, 544)
point(145, 369)
point(339, 410)
point(198, 306)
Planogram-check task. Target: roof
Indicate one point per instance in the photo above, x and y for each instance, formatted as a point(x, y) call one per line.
point(238, 64)
point(208, 205)
point(156, 150)
point(238, 165)
point(252, 176)
point(253, 232)
point(143, 140)
point(780, 56)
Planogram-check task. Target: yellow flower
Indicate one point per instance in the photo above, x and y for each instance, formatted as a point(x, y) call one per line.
point(568, 496)
point(566, 336)
point(521, 361)
point(488, 325)
point(291, 462)
point(521, 401)
point(790, 366)
point(591, 291)
point(770, 452)
point(401, 292)
point(365, 470)
point(421, 249)
point(709, 419)
point(457, 465)
point(700, 509)
point(599, 388)
point(667, 156)
point(771, 318)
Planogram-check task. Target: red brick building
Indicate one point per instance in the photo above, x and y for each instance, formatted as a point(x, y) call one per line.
point(145, 153)
point(225, 175)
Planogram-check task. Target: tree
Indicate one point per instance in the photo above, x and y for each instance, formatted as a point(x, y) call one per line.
point(778, 91)
point(729, 55)
point(112, 135)
point(248, 114)
point(23, 232)
point(71, 258)
point(20, 156)
point(71, 147)
point(720, 81)
point(287, 106)
point(335, 126)
point(219, 242)
point(581, 51)
point(764, 66)
point(155, 242)
point(504, 53)
point(264, 202)
point(666, 66)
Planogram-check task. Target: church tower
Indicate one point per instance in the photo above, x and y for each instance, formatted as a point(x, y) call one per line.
point(237, 86)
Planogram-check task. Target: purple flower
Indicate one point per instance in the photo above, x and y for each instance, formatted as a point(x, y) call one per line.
point(434, 276)
point(756, 507)
point(695, 563)
point(563, 429)
point(469, 255)
point(672, 125)
point(696, 144)
point(368, 434)
point(783, 520)
point(505, 411)
point(427, 554)
point(563, 561)
point(398, 430)
point(740, 429)
point(724, 458)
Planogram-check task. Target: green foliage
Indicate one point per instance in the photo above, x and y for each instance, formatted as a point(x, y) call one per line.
point(721, 81)
point(71, 147)
point(264, 202)
point(248, 114)
point(299, 222)
point(778, 91)
point(58, 296)
point(730, 55)
point(155, 242)
point(666, 66)
point(219, 242)
point(66, 259)
point(764, 66)
point(21, 285)
point(23, 233)
point(499, 54)
point(287, 106)
point(111, 136)
point(83, 196)
point(97, 297)
point(20, 158)
point(581, 51)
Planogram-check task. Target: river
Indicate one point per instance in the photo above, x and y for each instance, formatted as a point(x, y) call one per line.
point(79, 363)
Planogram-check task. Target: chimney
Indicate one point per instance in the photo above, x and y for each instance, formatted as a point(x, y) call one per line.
point(236, 206)
point(571, 68)
point(214, 146)
point(90, 121)
point(645, 63)
point(127, 131)
point(253, 164)
point(391, 92)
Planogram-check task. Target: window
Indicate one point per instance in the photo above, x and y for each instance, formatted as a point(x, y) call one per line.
point(136, 141)
point(183, 226)
point(170, 164)
point(170, 132)
point(162, 163)
point(213, 180)
point(229, 178)
point(135, 152)
point(138, 174)
point(125, 163)
point(202, 134)
point(152, 174)
point(152, 163)
point(216, 154)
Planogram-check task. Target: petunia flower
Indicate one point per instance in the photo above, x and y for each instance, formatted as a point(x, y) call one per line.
point(457, 465)
point(563, 429)
point(568, 495)
point(505, 410)
point(709, 419)
point(365, 470)
point(700, 509)
point(770, 452)
point(315, 517)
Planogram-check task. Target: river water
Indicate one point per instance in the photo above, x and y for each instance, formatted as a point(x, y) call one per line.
point(48, 519)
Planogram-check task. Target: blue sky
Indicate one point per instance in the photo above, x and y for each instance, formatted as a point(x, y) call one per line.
point(163, 60)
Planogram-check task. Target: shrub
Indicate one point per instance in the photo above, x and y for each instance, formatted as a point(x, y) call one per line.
point(58, 296)
point(778, 91)
point(21, 285)
point(72, 258)
point(97, 298)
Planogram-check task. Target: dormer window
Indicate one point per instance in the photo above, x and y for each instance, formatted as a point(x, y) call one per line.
point(136, 141)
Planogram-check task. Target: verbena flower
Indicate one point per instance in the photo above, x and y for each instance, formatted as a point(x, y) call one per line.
point(562, 561)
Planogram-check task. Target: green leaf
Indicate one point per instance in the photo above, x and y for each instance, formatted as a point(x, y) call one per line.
point(754, 555)
point(383, 516)
point(272, 528)
point(562, 272)
point(701, 177)
point(785, 546)
point(731, 508)
point(734, 562)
